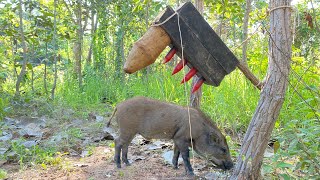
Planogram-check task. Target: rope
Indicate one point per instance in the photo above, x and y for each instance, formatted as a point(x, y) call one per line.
point(259, 84)
point(159, 24)
point(185, 85)
point(248, 38)
point(279, 7)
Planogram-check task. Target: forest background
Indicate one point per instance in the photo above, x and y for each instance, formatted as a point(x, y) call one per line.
point(69, 54)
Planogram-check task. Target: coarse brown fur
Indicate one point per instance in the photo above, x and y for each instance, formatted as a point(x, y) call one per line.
point(155, 119)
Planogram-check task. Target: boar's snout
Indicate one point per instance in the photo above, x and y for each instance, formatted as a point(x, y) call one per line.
point(227, 165)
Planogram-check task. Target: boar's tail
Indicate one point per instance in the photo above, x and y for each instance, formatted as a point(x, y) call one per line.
point(114, 112)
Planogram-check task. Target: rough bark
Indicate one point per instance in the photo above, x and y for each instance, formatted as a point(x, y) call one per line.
point(195, 98)
point(245, 31)
point(24, 46)
point(272, 96)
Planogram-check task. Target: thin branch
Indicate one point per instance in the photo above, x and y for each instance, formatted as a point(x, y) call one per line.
point(85, 24)
point(55, 51)
point(314, 17)
point(86, 19)
point(24, 47)
point(70, 12)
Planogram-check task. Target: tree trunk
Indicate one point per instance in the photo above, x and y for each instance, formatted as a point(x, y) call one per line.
point(54, 51)
point(24, 46)
point(14, 51)
point(119, 51)
point(272, 96)
point(220, 26)
point(92, 34)
point(77, 48)
point(196, 97)
point(32, 71)
point(32, 79)
point(147, 26)
point(245, 31)
point(45, 71)
point(94, 24)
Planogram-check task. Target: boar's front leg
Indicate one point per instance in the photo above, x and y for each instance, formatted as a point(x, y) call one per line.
point(183, 147)
point(175, 156)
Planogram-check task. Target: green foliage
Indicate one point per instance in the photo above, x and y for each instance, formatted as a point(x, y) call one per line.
point(3, 105)
point(298, 156)
point(26, 156)
point(121, 23)
point(3, 174)
point(74, 133)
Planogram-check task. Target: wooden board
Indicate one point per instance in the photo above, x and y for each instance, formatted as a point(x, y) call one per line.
point(203, 48)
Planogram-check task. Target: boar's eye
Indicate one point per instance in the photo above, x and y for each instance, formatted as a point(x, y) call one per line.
point(214, 138)
point(224, 150)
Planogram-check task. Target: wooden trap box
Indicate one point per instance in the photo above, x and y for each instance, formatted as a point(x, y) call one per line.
point(202, 47)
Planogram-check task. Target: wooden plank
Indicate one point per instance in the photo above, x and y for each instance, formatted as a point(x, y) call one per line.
point(210, 40)
point(197, 55)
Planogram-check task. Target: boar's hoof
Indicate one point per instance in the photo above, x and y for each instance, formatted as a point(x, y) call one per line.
point(227, 165)
point(175, 167)
point(118, 165)
point(190, 173)
point(127, 163)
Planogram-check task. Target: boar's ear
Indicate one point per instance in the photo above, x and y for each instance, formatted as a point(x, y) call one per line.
point(214, 138)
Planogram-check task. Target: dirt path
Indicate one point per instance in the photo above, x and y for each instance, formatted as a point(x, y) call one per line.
point(101, 166)
point(90, 154)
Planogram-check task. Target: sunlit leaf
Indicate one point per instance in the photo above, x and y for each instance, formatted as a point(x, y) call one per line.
point(29, 66)
point(276, 146)
point(284, 165)
point(285, 176)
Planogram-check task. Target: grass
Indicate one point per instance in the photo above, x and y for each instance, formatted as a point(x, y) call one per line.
point(228, 104)
point(26, 156)
point(231, 106)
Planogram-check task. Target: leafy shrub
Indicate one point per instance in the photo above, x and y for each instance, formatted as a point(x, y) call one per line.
point(25, 155)
point(298, 155)
point(3, 174)
point(3, 105)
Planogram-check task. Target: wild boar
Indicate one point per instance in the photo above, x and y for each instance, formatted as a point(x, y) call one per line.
point(154, 119)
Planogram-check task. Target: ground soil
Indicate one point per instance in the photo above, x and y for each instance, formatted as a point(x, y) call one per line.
point(100, 165)
point(146, 157)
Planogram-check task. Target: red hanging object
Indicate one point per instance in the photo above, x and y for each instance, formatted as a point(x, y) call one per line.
point(198, 85)
point(189, 75)
point(169, 55)
point(179, 66)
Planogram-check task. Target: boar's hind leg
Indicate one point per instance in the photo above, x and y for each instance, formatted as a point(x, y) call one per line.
point(183, 147)
point(125, 154)
point(117, 148)
point(175, 156)
point(121, 145)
